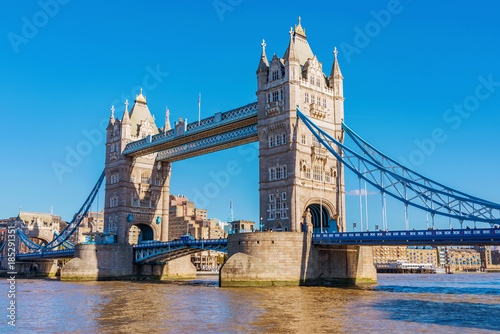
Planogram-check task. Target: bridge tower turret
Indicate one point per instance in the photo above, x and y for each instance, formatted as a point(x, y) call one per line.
point(137, 189)
point(298, 177)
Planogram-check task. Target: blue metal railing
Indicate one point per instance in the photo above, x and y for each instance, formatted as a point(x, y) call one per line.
point(461, 236)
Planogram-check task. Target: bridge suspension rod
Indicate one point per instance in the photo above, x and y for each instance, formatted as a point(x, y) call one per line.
point(445, 200)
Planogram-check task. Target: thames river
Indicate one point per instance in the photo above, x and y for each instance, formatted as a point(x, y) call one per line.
point(459, 303)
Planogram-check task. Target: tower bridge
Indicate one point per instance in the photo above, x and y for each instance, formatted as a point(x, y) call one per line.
point(298, 122)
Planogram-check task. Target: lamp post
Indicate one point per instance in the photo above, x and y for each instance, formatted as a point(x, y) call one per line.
point(261, 224)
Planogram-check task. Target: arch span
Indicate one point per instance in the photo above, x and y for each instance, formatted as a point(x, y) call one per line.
point(140, 233)
point(322, 216)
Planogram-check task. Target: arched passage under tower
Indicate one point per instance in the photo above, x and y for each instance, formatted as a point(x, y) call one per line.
point(139, 233)
point(321, 218)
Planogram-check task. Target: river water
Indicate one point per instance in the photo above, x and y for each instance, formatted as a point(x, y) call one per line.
point(459, 303)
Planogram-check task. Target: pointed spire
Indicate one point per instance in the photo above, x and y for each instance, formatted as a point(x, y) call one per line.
point(290, 52)
point(167, 120)
point(140, 97)
point(126, 116)
point(336, 74)
point(299, 29)
point(111, 122)
point(263, 64)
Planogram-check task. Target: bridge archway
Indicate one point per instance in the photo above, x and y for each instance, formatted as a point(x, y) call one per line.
point(37, 240)
point(140, 233)
point(322, 216)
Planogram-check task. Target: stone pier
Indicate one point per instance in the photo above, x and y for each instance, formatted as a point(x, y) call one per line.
point(111, 261)
point(290, 258)
point(99, 262)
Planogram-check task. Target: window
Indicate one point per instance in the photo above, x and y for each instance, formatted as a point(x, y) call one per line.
point(145, 178)
point(283, 138)
point(312, 80)
point(277, 173)
point(328, 178)
point(312, 99)
point(318, 83)
point(157, 181)
point(271, 140)
point(308, 173)
point(303, 139)
point(324, 103)
point(268, 97)
point(146, 202)
point(283, 196)
point(275, 96)
point(278, 140)
point(275, 75)
point(315, 141)
point(306, 97)
point(112, 147)
point(317, 173)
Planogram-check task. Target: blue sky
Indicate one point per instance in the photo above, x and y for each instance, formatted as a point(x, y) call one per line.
point(64, 65)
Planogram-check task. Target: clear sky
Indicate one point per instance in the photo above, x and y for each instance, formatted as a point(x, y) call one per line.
point(405, 65)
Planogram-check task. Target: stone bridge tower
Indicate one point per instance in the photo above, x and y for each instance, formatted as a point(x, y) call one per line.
point(137, 189)
point(299, 182)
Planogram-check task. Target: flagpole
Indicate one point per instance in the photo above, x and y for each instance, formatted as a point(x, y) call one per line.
point(199, 109)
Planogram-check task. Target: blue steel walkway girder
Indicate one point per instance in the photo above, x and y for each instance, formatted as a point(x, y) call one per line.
point(402, 183)
point(209, 127)
point(219, 142)
point(58, 254)
point(425, 237)
point(166, 251)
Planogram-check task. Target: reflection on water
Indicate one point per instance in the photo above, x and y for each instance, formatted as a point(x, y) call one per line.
point(398, 304)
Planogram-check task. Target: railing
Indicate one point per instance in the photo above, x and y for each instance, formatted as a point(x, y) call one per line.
point(64, 252)
point(463, 236)
point(187, 243)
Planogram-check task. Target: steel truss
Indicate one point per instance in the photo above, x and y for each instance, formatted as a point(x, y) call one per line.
point(62, 238)
point(167, 251)
point(402, 183)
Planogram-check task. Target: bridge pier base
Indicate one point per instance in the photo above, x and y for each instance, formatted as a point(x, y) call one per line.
point(290, 258)
point(38, 268)
point(181, 268)
point(99, 262)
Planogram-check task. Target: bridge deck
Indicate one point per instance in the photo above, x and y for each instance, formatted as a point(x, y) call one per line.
point(197, 133)
point(426, 237)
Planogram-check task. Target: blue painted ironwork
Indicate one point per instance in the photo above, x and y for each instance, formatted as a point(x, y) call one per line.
point(66, 244)
point(214, 141)
point(426, 237)
point(238, 114)
point(404, 184)
point(170, 250)
point(46, 254)
point(62, 238)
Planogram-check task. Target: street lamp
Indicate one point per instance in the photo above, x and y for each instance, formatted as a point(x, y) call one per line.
point(261, 225)
point(353, 225)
